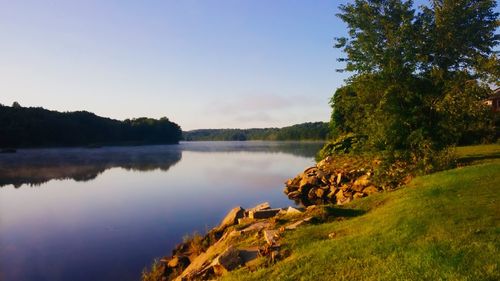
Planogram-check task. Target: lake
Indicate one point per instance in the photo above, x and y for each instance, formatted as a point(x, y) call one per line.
point(105, 213)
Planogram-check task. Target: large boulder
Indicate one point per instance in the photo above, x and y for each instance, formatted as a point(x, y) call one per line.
point(261, 206)
point(232, 217)
point(229, 260)
point(263, 214)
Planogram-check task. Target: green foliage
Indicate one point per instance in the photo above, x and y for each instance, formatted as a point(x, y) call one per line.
point(347, 143)
point(305, 131)
point(381, 37)
point(419, 83)
point(458, 36)
point(32, 127)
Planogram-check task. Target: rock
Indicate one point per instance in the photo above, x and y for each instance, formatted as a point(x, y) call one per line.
point(310, 208)
point(320, 174)
point(258, 226)
point(312, 193)
point(370, 190)
point(178, 261)
point(362, 181)
point(293, 211)
point(263, 214)
point(245, 220)
point(308, 181)
point(229, 234)
point(293, 195)
point(310, 170)
point(249, 254)
point(331, 194)
point(343, 197)
point(296, 224)
point(261, 206)
point(293, 182)
point(232, 217)
point(339, 178)
point(319, 193)
point(270, 236)
point(229, 260)
point(358, 195)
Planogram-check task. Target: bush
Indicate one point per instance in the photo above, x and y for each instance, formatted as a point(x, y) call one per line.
point(348, 143)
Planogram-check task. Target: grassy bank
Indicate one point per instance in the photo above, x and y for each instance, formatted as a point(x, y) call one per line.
point(443, 226)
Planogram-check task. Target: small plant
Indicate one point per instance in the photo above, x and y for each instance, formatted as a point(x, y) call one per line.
point(155, 273)
point(196, 243)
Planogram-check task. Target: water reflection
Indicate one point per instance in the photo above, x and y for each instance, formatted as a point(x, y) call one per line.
point(37, 166)
point(34, 167)
point(113, 210)
point(302, 149)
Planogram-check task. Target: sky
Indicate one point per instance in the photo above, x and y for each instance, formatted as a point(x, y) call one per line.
point(202, 64)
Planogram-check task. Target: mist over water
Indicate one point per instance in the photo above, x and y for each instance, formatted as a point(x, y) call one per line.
point(106, 213)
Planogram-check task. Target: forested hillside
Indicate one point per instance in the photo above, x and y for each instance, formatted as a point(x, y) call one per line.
point(36, 127)
point(305, 131)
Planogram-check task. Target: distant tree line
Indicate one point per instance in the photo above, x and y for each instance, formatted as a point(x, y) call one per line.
point(37, 127)
point(305, 131)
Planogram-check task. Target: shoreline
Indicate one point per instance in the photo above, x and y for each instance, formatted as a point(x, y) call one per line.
point(251, 238)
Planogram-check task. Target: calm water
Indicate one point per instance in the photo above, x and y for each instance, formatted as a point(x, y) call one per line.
point(104, 214)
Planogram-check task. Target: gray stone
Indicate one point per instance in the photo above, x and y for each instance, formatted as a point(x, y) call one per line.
point(229, 260)
point(232, 217)
point(293, 211)
point(294, 194)
point(296, 224)
point(258, 226)
point(263, 214)
point(261, 206)
point(270, 236)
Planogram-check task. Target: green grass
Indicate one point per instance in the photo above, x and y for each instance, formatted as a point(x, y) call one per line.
point(444, 226)
point(478, 153)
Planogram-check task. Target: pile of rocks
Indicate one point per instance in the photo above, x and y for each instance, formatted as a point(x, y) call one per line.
point(336, 181)
point(221, 255)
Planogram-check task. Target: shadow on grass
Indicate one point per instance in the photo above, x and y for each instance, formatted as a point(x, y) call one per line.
point(468, 160)
point(345, 213)
point(332, 213)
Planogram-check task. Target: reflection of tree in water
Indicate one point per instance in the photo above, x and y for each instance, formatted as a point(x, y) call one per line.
point(297, 148)
point(37, 166)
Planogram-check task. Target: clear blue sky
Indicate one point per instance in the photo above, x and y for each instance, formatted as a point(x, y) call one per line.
point(203, 64)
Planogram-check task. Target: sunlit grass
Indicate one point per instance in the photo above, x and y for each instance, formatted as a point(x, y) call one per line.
point(444, 226)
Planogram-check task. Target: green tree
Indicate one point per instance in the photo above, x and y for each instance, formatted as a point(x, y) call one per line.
point(459, 36)
point(381, 37)
point(418, 78)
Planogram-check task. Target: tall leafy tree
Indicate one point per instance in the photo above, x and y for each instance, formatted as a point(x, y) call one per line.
point(459, 36)
point(381, 37)
point(418, 77)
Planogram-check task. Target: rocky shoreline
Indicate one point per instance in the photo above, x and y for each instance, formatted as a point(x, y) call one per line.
point(244, 238)
point(331, 182)
point(251, 237)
